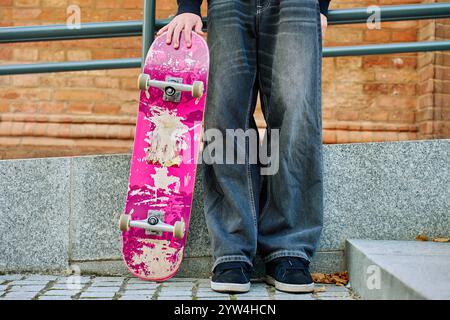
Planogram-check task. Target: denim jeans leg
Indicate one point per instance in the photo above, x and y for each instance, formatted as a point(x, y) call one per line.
point(290, 55)
point(231, 190)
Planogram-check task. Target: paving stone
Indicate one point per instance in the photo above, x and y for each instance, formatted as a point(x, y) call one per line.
point(10, 277)
point(256, 298)
point(175, 298)
point(103, 289)
point(212, 295)
point(118, 281)
point(20, 295)
point(185, 290)
point(61, 292)
point(109, 279)
point(207, 290)
point(179, 284)
point(177, 289)
point(299, 296)
point(255, 292)
point(333, 294)
point(27, 288)
point(336, 298)
point(54, 298)
point(28, 283)
point(139, 292)
point(65, 286)
point(137, 297)
point(331, 288)
point(142, 286)
point(203, 280)
point(106, 284)
point(137, 280)
point(171, 280)
point(174, 294)
point(204, 288)
point(74, 279)
point(42, 278)
point(96, 294)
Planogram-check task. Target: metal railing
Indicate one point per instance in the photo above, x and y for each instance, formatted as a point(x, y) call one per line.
point(149, 25)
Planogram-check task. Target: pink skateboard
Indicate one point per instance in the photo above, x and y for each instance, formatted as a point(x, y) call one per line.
point(164, 161)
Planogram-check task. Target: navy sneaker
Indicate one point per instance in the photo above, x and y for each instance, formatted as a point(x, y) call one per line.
point(231, 277)
point(289, 274)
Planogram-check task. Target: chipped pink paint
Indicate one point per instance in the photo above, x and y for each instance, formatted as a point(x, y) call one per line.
point(191, 65)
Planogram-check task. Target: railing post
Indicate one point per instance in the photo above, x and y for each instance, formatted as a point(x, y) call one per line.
point(148, 27)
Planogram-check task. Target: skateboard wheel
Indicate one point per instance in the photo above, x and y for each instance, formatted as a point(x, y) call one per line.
point(197, 89)
point(124, 222)
point(143, 81)
point(178, 230)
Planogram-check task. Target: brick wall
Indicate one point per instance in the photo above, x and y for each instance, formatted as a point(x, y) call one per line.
point(371, 98)
point(433, 110)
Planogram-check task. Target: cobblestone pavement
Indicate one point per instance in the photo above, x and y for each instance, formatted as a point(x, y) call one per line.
point(48, 287)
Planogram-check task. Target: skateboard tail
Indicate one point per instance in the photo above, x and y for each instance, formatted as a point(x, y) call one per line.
point(152, 278)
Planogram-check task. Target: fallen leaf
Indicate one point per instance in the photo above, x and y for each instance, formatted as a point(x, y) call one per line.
point(421, 237)
point(441, 240)
point(339, 278)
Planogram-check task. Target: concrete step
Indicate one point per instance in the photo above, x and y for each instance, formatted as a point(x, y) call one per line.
point(399, 269)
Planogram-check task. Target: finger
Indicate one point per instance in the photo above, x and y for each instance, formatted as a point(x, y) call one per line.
point(198, 27)
point(160, 31)
point(176, 35)
point(169, 34)
point(187, 34)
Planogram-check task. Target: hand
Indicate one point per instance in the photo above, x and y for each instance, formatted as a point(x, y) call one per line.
point(324, 23)
point(183, 23)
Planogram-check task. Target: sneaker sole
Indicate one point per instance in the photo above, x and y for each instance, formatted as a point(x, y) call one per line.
point(287, 287)
point(230, 287)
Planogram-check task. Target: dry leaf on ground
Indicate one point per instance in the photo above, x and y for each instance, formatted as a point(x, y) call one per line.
point(441, 240)
point(339, 278)
point(422, 237)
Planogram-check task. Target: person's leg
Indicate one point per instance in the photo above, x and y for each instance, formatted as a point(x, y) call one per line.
point(290, 53)
point(231, 190)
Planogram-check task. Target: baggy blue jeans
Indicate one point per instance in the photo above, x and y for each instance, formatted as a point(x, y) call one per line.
point(273, 47)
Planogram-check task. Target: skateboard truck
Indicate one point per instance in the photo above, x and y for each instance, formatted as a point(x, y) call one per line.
point(172, 87)
point(153, 224)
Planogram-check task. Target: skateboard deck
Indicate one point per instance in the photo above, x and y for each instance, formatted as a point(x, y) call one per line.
point(164, 160)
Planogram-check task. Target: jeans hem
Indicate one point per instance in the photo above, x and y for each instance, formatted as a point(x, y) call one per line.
point(286, 253)
point(230, 259)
